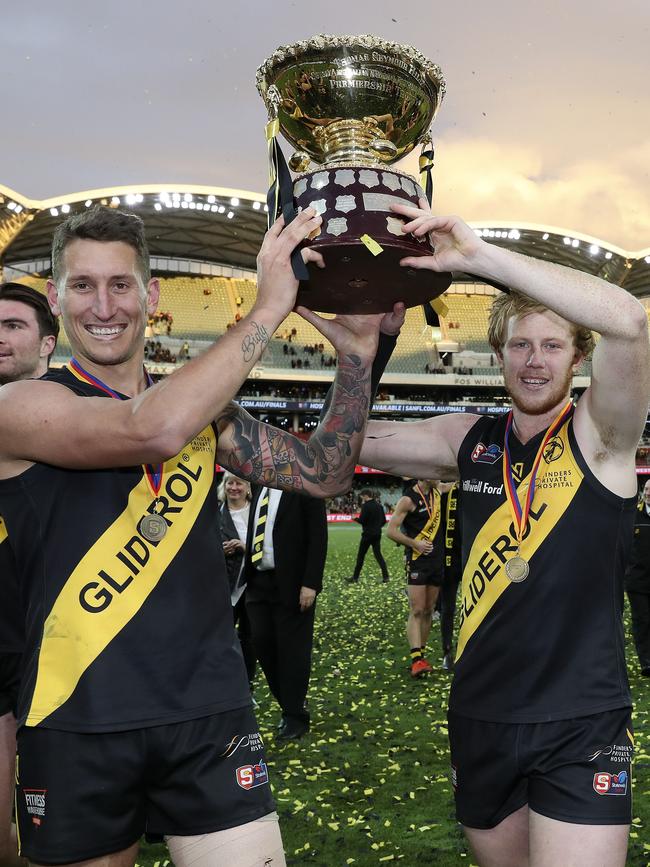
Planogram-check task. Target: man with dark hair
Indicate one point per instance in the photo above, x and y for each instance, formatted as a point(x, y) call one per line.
point(372, 519)
point(28, 334)
point(132, 666)
point(540, 708)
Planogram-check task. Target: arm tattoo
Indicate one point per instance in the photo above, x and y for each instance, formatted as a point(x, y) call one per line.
point(258, 336)
point(273, 457)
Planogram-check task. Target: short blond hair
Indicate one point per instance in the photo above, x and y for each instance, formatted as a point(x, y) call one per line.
point(506, 305)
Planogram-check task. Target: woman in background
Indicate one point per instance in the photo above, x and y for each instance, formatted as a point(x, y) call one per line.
point(235, 496)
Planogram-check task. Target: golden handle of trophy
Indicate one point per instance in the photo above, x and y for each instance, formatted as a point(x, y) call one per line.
point(299, 161)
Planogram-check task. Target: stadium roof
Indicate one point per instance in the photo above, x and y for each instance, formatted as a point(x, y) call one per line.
point(226, 227)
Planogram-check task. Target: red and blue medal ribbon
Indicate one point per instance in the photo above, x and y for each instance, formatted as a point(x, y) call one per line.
point(519, 514)
point(154, 474)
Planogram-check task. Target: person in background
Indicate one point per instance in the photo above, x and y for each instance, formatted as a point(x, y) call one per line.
point(28, 335)
point(417, 525)
point(637, 582)
point(372, 519)
point(452, 570)
point(285, 561)
point(235, 496)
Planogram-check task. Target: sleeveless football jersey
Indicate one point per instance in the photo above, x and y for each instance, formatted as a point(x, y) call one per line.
point(11, 616)
point(425, 522)
point(552, 646)
point(122, 632)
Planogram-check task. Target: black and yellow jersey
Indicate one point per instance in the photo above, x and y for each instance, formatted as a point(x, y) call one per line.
point(122, 632)
point(425, 522)
point(552, 646)
point(11, 615)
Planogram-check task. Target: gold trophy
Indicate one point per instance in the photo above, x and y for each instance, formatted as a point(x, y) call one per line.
point(352, 106)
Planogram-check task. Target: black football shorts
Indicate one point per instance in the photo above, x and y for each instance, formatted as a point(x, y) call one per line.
point(574, 770)
point(81, 796)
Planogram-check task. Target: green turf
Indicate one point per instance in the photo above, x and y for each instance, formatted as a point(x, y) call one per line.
point(370, 785)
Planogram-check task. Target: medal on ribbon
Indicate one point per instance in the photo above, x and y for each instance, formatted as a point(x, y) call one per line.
point(517, 568)
point(152, 526)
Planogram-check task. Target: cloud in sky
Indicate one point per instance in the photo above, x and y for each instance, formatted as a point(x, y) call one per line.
point(486, 180)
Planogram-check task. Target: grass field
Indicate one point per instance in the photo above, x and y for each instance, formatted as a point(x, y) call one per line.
point(370, 784)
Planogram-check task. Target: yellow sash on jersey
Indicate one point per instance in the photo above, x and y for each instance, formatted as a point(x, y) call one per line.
point(484, 578)
point(430, 529)
point(3, 531)
point(74, 637)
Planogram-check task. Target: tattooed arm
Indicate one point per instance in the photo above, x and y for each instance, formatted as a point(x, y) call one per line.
point(323, 465)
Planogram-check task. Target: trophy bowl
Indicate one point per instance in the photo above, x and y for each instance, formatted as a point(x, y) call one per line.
point(353, 105)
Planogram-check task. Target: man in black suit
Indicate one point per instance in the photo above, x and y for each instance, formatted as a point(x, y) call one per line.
point(285, 560)
point(372, 519)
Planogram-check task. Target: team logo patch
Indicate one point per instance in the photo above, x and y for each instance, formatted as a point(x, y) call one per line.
point(611, 784)
point(553, 450)
point(251, 776)
point(483, 454)
point(252, 741)
point(35, 804)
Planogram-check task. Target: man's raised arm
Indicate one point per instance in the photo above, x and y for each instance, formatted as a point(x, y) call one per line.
point(615, 406)
point(46, 422)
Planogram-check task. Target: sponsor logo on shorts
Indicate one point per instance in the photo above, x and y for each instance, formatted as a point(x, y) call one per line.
point(454, 777)
point(483, 454)
point(250, 776)
point(35, 804)
point(611, 784)
point(252, 741)
point(615, 753)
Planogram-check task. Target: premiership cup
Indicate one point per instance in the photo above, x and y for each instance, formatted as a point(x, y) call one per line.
point(352, 106)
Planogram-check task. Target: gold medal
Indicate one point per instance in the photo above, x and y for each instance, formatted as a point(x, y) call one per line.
point(153, 527)
point(517, 569)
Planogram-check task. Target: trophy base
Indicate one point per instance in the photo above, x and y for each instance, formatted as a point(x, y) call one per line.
point(355, 204)
point(355, 281)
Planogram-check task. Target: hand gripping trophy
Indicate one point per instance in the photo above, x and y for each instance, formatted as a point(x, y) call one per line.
point(353, 105)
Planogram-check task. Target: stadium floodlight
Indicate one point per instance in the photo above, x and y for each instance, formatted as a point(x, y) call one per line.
point(19, 208)
point(214, 208)
point(594, 249)
point(566, 241)
point(545, 236)
point(65, 209)
point(11, 206)
point(575, 243)
point(256, 205)
point(608, 255)
point(221, 209)
point(187, 197)
point(115, 200)
point(139, 198)
point(230, 215)
point(192, 206)
point(88, 202)
point(176, 197)
point(514, 234)
point(234, 201)
point(131, 199)
point(158, 206)
point(266, 208)
point(184, 204)
point(647, 260)
point(199, 206)
point(54, 212)
point(212, 199)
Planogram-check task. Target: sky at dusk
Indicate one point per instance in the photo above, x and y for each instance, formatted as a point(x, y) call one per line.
point(545, 120)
